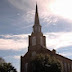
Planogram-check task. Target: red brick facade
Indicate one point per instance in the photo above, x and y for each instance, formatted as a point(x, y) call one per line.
point(37, 44)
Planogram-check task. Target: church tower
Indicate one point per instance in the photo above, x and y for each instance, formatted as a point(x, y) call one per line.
point(37, 42)
point(36, 38)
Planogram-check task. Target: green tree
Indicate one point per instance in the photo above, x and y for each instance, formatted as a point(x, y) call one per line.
point(45, 63)
point(7, 67)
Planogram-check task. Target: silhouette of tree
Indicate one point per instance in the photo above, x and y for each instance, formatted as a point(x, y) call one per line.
point(6, 67)
point(45, 63)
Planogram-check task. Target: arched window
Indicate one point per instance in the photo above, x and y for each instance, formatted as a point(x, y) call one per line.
point(33, 41)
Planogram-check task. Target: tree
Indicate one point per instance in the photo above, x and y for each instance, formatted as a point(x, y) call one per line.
point(7, 67)
point(2, 60)
point(45, 63)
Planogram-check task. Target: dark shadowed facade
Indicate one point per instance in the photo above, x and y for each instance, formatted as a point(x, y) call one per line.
point(37, 44)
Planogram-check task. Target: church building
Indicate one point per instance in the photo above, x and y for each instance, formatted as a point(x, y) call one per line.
point(37, 44)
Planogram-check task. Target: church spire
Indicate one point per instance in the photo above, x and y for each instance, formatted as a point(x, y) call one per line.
point(36, 16)
point(36, 8)
point(37, 26)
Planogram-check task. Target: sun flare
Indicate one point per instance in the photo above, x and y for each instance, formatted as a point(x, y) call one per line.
point(62, 8)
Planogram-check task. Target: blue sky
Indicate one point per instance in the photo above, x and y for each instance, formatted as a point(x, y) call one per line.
point(17, 19)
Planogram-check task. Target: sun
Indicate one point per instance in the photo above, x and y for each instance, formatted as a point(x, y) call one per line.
point(62, 8)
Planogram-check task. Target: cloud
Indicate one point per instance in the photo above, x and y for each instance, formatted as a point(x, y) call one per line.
point(58, 40)
point(62, 8)
point(21, 36)
point(53, 41)
point(17, 57)
point(14, 57)
point(46, 16)
point(13, 42)
point(25, 4)
point(29, 9)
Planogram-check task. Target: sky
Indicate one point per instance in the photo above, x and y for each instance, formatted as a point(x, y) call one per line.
point(17, 19)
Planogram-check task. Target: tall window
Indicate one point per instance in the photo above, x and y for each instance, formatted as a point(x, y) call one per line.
point(35, 29)
point(41, 40)
point(68, 66)
point(38, 29)
point(65, 67)
point(26, 66)
point(33, 41)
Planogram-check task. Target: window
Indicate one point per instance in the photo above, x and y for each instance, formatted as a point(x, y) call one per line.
point(68, 66)
point(33, 53)
point(26, 66)
point(41, 41)
point(35, 29)
point(65, 67)
point(38, 29)
point(33, 41)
